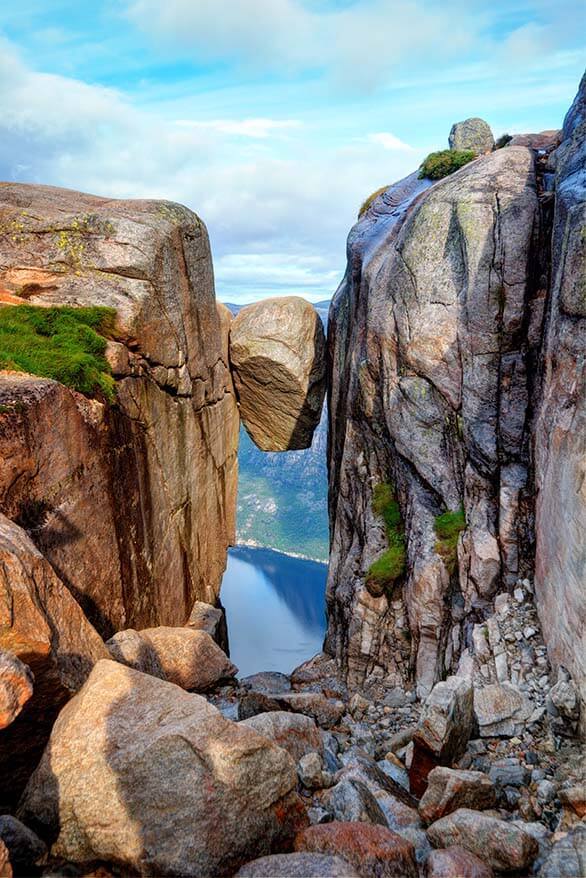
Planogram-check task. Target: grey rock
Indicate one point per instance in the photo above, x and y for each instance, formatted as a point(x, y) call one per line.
point(447, 720)
point(396, 772)
point(568, 856)
point(317, 814)
point(473, 133)
point(311, 773)
point(267, 682)
point(297, 865)
point(509, 772)
point(546, 791)
point(501, 710)
point(351, 800)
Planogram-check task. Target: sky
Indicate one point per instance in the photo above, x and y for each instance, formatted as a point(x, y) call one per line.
point(271, 119)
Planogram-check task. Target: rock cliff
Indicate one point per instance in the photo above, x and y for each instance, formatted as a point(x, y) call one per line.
point(132, 504)
point(440, 424)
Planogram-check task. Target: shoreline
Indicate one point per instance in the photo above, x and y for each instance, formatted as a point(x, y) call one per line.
point(252, 544)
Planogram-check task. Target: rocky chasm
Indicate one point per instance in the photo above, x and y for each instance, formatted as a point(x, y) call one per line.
point(437, 733)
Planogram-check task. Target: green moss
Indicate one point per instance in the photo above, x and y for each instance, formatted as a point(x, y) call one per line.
point(387, 569)
point(448, 527)
point(366, 204)
point(440, 164)
point(503, 140)
point(65, 343)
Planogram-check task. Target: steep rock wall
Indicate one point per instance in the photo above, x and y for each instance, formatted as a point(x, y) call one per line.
point(434, 336)
point(132, 504)
point(560, 437)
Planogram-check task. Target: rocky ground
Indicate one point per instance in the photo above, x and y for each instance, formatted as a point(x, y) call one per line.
point(286, 775)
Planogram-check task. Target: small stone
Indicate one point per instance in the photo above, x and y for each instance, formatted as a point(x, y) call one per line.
point(537, 774)
point(519, 595)
point(501, 604)
point(529, 632)
point(501, 666)
point(508, 772)
point(575, 798)
point(317, 814)
point(546, 791)
point(311, 773)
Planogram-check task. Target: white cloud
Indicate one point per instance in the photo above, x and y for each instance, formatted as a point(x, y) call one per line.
point(388, 141)
point(255, 128)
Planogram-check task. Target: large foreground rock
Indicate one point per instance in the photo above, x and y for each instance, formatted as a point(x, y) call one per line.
point(44, 627)
point(503, 846)
point(298, 865)
point(474, 134)
point(277, 351)
point(16, 687)
point(132, 504)
point(143, 774)
point(375, 851)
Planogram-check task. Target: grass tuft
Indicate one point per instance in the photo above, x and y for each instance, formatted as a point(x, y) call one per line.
point(503, 140)
point(366, 204)
point(448, 527)
point(440, 164)
point(64, 343)
point(386, 570)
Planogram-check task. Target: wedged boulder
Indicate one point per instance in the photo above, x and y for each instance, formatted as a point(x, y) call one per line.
point(473, 133)
point(25, 848)
point(131, 649)
point(374, 851)
point(277, 353)
point(503, 846)
point(298, 865)
point(42, 625)
point(212, 620)
point(294, 732)
point(501, 710)
point(185, 791)
point(449, 789)
point(16, 687)
point(455, 862)
point(189, 657)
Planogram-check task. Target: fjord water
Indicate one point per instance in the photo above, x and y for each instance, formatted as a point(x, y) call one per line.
point(275, 609)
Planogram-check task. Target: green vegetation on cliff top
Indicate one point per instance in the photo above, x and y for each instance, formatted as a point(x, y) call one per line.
point(383, 572)
point(64, 343)
point(448, 527)
point(440, 164)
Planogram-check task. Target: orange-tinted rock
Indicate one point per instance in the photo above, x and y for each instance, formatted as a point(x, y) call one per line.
point(449, 789)
point(143, 774)
point(455, 862)
point(375, 851)
point(295, 733)
point(189, 658)
point(575, 798)
point(132, 504)
point(16, 687)
point(542, 140)
point(5, 867)
point(41, 623)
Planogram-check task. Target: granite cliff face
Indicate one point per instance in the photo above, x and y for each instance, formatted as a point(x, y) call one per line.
point(133, 505)
point(439, 336)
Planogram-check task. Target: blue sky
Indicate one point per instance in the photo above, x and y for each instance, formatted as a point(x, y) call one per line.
point(272, 119)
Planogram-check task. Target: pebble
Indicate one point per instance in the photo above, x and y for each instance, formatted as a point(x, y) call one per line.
point(519, 595)
point(529, 632)
point(546, 791)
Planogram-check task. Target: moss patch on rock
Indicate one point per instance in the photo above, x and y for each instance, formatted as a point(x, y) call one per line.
point(443, 163)
point(448, 527)
point(366, 204)
point(64, 343)
point(386, 570)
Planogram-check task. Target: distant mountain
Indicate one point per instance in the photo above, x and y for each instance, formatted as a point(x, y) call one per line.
point(282, 496)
